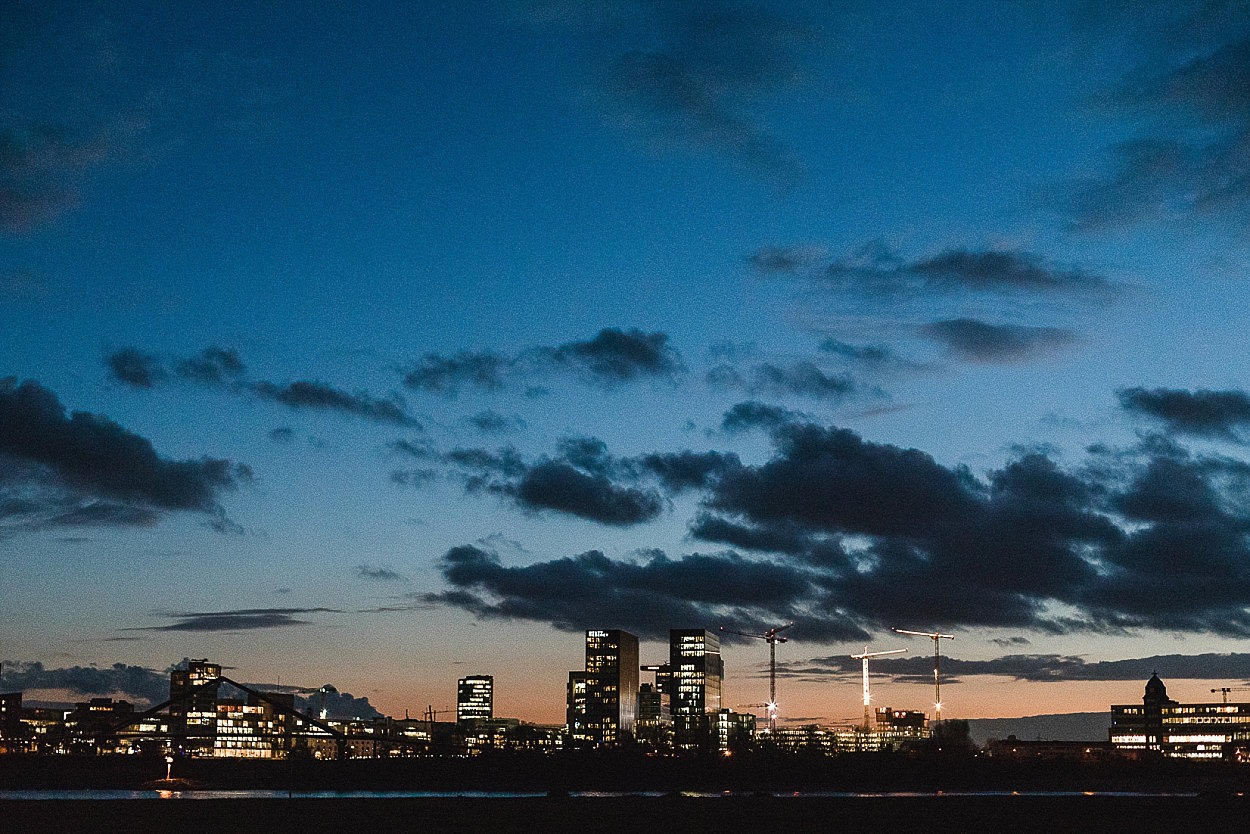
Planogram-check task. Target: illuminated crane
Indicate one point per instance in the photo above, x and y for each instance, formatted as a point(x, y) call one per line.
point(1224, 690)
point(772, 639)
point(937, 678)
point(868, 700)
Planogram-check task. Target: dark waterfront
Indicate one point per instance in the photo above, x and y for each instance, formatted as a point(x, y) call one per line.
point(498, 792)
point(625, 772)
point(637, 813)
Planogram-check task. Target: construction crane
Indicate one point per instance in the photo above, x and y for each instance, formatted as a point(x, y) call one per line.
point(772, 638)
point(1224, 690)
point(936, 637)
point(431, 716)
point(867, 699)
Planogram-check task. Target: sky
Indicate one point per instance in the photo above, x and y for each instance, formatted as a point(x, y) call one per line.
point(378, 344)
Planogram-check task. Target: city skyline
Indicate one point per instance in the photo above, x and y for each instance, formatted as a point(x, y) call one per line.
point(381, 346)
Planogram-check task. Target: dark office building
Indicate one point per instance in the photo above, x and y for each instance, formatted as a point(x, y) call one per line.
point(697, 670)
point(1191, 731)
point(603, 700)
point(652, 709)
point(10, 718)
point(90, 721)
point(193, 690)
point(475, 699)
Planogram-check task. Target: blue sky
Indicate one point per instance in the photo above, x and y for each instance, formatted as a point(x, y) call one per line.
point(411, 339)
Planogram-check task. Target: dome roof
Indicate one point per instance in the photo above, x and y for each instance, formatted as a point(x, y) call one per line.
point(1155, 690)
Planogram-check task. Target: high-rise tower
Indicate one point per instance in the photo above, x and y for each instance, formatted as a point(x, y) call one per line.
point(475, 699)
point(695, 688)
point(603, 700)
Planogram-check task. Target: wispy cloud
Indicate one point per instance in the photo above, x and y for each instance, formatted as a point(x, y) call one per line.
point(977, 341)
point(611, 357)
point(1190, 97)
point(222, 368)
point(248, 619)
point(378, 573)
point(695, 75)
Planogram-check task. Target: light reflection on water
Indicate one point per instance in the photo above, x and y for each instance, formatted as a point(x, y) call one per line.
point(259, 794)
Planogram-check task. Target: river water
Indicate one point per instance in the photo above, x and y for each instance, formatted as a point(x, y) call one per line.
point(257, 794)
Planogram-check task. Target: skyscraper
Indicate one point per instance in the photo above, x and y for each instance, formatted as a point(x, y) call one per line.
point(695, 689)
point(603, 700)
point(475, 699)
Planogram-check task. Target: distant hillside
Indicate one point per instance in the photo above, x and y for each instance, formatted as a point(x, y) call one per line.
point(1068, 726)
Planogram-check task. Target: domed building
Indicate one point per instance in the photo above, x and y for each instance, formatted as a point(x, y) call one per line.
point(1162, 726)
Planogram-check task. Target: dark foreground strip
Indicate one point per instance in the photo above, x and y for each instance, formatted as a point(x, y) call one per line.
point(724, 815)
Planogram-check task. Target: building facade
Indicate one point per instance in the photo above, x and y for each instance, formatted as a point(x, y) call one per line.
point(193, 708)
point(475, 699)
point(696, 671)
point(1162, 726)
point(603, 699)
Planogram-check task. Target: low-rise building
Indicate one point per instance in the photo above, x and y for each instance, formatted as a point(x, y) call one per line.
point(1162, 726)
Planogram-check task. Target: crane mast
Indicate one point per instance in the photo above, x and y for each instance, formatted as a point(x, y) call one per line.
point(772, 637)
point(867, 697)
point(936, 637)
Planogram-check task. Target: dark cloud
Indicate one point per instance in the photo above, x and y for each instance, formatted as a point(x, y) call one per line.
point(506, 462)
point(135, 368)
point(134, 682)
point(775, 538)
point(212, 366)
point(557, 486)
point(1038, 668)
point(414, 450)
point(1191, 95)
point(786, 260)
point(580, 488)
point(492, 422)
point(646, 596)
point(222, 368)
point(282, 434)
point(590, 454)
point(1149, 536)
point(378, 573)
point(448, 374)
point(973, 340)
point(695, 74)
point(248, 619)
point(585, 480)
point(802, 379)
point(877, 272)
point(338, 706)
point(757, 415)
point(85, 469)
point(1201, 413)
point(615, 355)
point(684, 470)
point(611, 357)
point(871, 358)
point(84, 92)
point(109, 514)
point(320, 396)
